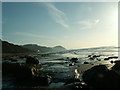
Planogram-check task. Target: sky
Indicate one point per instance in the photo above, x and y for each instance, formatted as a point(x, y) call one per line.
point(70, 24)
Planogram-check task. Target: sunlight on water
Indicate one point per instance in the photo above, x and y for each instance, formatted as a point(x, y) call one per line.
point(77, 75)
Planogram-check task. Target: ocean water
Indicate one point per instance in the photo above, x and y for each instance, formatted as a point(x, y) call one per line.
point(59, 66)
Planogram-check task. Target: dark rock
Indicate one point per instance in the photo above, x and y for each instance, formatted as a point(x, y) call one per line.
point(89, 55)
point(86, 62)
point(112, 62)
point(92, 74)
point(74, 60)
point(100, 77)
point(42, 80)
point(71, 64)
point(99, 59)
point(117, 65)
point(95, 56)
point(67, 58)
point(91, 58)
point(117, 61)
point(114, 57)
point(10, 68)
point(27, 71)
point(32, 60)
point(106, 58)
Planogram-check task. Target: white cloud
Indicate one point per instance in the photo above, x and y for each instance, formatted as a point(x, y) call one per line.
point(97, 21)
point(57, 15)
point(88, 24)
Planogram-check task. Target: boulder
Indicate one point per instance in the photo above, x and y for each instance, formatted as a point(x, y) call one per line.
point(27, 71)
point(32, 60)
point(117, 65)
point(42, 80)
point(10, 68)
point(74, 60)
point(86, 62)
point(100, 77)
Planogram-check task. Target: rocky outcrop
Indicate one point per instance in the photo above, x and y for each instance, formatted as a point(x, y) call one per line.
point(32, 60)
point(101, 77)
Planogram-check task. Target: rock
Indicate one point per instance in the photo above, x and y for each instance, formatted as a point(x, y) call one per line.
point(95, 56)
point(89, 55)
point(106, 58)
point(112, 62)
point(91, 58)
point(89, 76)
point(71, 64)
point(74, 60)
point(117, 65)
point(117, 61)
point(113, 57)
point(100, 77)
point(27, 71)
point(10, 68)
point(42, 80)
point(32, 60)
point(98, 59)
point(86, 62)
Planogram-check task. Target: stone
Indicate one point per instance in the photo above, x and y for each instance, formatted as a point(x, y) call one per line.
point(117, 65)
point(74, 60)
point(42, 80)
point(10, 68)
point(32, 60)
point(101, 77)
point(86, 62)
point(27, 71)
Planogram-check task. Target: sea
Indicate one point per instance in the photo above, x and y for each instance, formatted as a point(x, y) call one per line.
point(61, 68)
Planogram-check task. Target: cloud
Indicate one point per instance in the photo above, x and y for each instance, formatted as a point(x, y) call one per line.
point(97, 21)
point(88, 24)
point(57, 15)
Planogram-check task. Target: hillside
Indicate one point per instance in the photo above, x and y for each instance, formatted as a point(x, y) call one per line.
point(35, 47)
point(58, 48)
point(11, 48)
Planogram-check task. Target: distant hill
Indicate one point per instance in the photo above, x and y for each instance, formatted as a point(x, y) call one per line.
point(35, 47)
point(28, 48)
point(58, 48)
point(11, 48)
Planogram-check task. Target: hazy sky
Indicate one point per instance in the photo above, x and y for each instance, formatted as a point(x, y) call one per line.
point(70, 24)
